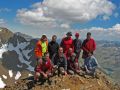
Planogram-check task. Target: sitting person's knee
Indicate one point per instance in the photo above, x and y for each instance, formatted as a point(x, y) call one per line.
point(70, 72)
point(37, 74)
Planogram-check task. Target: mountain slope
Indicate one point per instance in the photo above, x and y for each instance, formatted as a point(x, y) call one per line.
point(21, 47)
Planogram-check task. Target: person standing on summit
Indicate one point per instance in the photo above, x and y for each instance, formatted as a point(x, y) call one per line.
point(53, 46)
point(77, 45)
point(41, 47)
point(88, 46)
point(67, 43)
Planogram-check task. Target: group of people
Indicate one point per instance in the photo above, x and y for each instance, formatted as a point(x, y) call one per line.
point(62, 59)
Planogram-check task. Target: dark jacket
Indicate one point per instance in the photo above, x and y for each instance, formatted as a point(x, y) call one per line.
point(60, 61)
point(77, 45)
point(52, 48)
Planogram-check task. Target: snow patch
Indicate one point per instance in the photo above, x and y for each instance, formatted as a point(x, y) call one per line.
point(3, 49)
point(5, 77)
point(29, 75)
point(18, 49)
point(66, 89)
point(18, 75)
point(0, 29)
point(30, 68)
point(19, 66)
point(25, 52)
point(10, 73)
point(2, 84)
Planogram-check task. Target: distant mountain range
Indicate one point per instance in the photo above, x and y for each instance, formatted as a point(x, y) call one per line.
point(105, 43)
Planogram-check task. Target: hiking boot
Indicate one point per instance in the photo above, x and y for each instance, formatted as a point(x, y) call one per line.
point(87, 76)
point(70, 72)
point(81, 73)
point(49, 81)
point(96, 76)
point(35, 82)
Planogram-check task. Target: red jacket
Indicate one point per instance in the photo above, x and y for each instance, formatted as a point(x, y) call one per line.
point(88, 46)
point(66, 44)
point(72, 64)
point(44, 67)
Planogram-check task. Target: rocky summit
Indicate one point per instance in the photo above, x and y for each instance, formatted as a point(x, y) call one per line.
point(68, 82)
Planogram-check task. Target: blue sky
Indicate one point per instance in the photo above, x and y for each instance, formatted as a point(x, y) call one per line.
point(14, 5)
point(9, 11)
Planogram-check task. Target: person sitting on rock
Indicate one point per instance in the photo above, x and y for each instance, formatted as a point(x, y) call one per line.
point(69, 53)
point(73, 65)
point(44, 68)
point(60, 62)
point(90, 65)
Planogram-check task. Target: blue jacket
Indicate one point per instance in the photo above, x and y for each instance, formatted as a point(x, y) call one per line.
point(91, 63)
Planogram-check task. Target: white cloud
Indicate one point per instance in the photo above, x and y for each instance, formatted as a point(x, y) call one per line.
point(65, 25)
point(32, 17)
point(116, 27)
point(116, 15)
point(35, 17)
point(65, 10)
point(78, 10)
point(2, 21)
point(105, 17)
point(37, 5)
point(99, 33)
point(4, 10)
point(57, 15)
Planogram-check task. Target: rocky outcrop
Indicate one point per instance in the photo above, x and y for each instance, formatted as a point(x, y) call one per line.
point(9, 62)
point(67, 83)
point(5, 34)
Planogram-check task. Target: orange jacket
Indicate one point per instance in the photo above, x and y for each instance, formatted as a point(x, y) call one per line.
point(38, 49)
